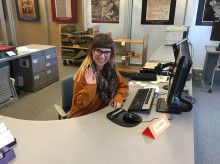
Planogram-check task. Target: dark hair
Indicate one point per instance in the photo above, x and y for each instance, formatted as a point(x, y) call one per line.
point(99, 41)
point(102, 41)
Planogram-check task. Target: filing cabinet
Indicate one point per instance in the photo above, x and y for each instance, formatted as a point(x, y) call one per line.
point(38, 69)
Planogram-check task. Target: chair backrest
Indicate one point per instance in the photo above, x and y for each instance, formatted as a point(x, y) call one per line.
point(67, 93)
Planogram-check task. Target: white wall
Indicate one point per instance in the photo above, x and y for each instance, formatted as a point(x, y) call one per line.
point(157, 33)
point(199, 36)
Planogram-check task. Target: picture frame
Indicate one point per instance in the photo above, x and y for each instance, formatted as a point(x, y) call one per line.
point(27, 10)
point(63, 10)
point(105, 11)
point(205, 13)
point(161, 13)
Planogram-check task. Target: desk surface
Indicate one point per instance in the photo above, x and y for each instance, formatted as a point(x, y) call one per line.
point(26, 50)
point(163, 54)
point(211, 49)
point(95, 139)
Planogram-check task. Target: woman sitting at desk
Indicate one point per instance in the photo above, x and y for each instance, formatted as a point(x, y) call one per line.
point(97, 83)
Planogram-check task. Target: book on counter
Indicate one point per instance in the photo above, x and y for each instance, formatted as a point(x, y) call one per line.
point(6, 138)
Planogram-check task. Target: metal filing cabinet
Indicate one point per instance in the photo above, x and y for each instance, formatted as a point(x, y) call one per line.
point(38, 69)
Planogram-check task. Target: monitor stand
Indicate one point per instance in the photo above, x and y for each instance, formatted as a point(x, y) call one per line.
point(162, 107)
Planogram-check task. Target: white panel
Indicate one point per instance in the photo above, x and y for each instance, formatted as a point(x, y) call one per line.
point(199, 36)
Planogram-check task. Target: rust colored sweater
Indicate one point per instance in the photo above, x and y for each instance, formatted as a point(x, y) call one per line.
point(86, 100)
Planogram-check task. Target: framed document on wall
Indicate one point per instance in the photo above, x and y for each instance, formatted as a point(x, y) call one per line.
point(63, 10)
point(27, 10)
point(158, 11)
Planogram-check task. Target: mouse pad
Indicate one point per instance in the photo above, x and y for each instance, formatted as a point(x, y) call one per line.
point(117, 115)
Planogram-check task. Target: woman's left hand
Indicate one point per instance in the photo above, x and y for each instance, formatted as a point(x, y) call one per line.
point(116, 105)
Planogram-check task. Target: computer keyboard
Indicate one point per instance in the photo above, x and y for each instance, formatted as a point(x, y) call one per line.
point(143, 100)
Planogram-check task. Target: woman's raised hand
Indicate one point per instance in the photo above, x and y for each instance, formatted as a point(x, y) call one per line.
point(90, 76)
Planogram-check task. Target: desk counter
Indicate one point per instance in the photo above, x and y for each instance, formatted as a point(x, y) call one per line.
point(96, 140)
point(163, 54)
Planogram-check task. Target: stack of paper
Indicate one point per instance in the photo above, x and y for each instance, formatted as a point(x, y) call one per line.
point(6, 138)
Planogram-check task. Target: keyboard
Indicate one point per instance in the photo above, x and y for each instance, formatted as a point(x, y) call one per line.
point(142, 100)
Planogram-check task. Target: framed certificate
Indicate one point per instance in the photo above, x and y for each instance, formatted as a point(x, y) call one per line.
point(158, 11)
point(63, 10)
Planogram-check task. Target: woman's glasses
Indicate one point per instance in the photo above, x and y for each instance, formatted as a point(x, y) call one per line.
point(99, 52)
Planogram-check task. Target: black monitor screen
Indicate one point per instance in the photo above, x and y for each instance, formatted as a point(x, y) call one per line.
point(215, 35)
point(174, 101)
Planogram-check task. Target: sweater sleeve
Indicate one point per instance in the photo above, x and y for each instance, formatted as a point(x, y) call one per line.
point(83, 93)
point(122, 90)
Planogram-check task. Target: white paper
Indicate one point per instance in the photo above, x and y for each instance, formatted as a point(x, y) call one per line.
point(10, 53)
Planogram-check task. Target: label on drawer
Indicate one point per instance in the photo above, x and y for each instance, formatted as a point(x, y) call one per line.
point(48, 71)
point(48, 64)
point(34, 61)
point(48, 57)
point(36, 77)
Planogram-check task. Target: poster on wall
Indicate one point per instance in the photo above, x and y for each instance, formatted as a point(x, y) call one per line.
point(158, 11)
point(27, 10)
point(105, 11)
point(63, 10)
point(208, 11)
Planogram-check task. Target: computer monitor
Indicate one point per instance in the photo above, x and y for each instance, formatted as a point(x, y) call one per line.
point(184, 45)
point(215, 34)
point(176, 100)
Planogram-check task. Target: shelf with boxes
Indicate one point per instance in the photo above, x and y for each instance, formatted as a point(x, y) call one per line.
point(122, 51)
point(74, 43)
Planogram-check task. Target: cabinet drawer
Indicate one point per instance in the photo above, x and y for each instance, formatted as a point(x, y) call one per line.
point(40, 79)
point(51, 63)
point(38, 62)
point(52, 73)
point(51, 56)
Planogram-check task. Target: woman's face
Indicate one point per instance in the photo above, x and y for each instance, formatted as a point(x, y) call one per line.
point(101, 56)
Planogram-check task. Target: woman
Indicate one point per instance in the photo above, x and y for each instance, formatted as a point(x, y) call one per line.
point(97, 83)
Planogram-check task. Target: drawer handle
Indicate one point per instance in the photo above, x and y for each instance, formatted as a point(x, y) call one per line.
point(48, 71)
point(34, 61)
point(48, 64)
point(36, 77)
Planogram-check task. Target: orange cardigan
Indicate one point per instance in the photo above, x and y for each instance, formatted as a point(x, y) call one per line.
point(86, 100)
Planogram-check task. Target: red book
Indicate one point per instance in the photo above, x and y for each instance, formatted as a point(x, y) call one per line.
point(6, 48)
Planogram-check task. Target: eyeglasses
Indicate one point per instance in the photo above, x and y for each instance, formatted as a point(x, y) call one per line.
point(99, 52)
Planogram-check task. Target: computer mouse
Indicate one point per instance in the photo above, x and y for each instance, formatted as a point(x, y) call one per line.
point(132, 118)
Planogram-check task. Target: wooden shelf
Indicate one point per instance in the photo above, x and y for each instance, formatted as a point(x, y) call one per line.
point(128, 68)
point(71, 35)
point(75, 47)
point(129, 41)
point(139, 57)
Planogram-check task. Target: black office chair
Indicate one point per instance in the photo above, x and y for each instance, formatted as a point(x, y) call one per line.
point(67, 95)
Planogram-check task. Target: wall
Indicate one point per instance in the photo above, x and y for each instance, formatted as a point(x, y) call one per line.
point(199, 36)
point(117, 29)
point(31, 32)
point(7, 25)
point(157, 33)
